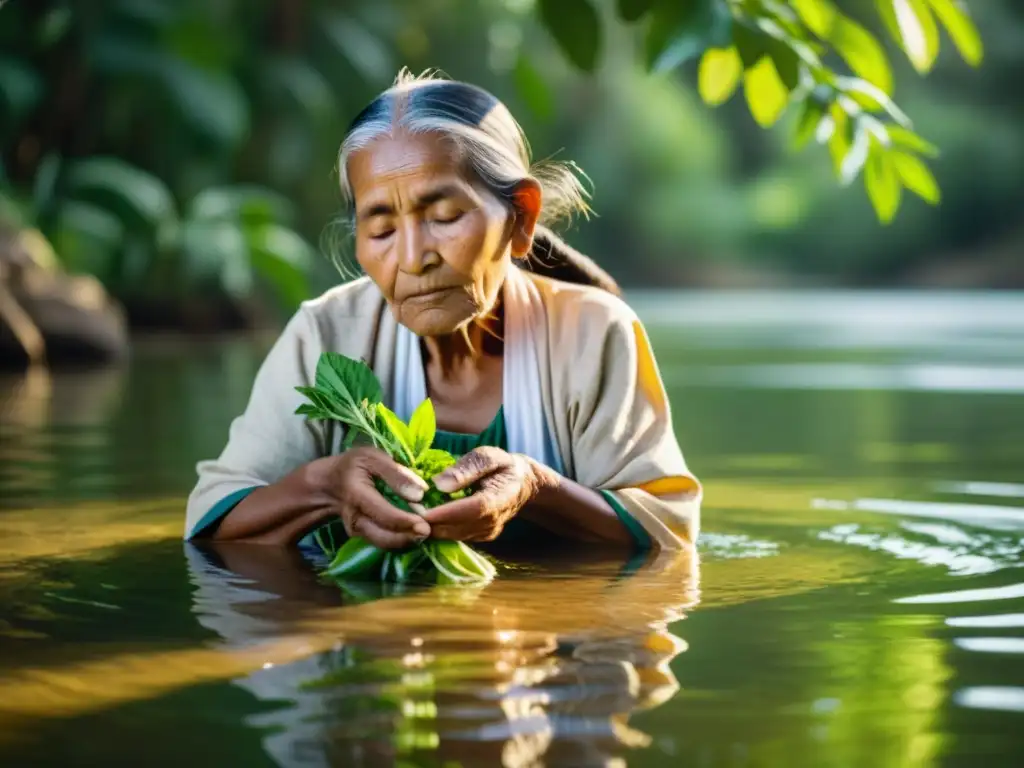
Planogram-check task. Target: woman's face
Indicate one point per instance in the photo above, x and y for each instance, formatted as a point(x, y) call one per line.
point(436, 245)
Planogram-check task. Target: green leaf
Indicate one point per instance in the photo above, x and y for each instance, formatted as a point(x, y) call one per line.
point(916, 177)
point(576, 27)
point(348, 381)
point(918, 32)
point(904, 137)
point(433, 461)
point(139, 199)
point(356, 557)
point(872, 98)
point(404, 564)
point(888, 17)
point(422, 428)
point(839, 136)
point(400, 430)
point(767, 96)
point(88, 238)
point(882, 183)
point(750, 42)
point(681, 30)
point(631, 10)
point(209, 247)
point(961, 29)
point(246, 203)
point(719, 75)
point(212, 103)
point(282, 258)
point(929, 28)
point(810, 117)
point(364, 50)
point(857, 154)
point(533, 88)
point(297, 80)
point(45, 183)
point(818, 15)
point(21, 88)
point(385, 566)
point(54, 26)
point(857, 47)
point(787, 64)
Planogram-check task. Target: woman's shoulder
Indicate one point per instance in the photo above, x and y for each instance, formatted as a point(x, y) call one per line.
point(573, 307)
point(339, 319)
point(352, 299)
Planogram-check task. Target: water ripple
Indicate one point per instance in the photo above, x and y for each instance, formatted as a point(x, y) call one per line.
point(1002, 621)
point(962, 552)
point(730, 546)
point(1002, 698)
point(1013, 645)
point(1009, 592)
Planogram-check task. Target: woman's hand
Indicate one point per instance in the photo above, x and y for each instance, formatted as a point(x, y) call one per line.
point(348, 480)
point(504, 484)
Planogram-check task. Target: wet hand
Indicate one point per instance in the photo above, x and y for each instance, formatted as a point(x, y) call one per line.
point(349, 481)
point(503, 483)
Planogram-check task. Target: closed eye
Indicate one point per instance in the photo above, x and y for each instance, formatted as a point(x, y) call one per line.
point(382, 235)
point(449, 219)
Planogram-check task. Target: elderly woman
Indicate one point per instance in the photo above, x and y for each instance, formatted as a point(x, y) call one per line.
point(544, 385)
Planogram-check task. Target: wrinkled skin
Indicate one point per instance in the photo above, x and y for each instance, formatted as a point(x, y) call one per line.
point(438, 246)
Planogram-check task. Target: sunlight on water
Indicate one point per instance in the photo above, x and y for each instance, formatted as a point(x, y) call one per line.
point(1011, 592)
point(1009, 490)
point(1007, 620)
point(853, 376)
point(988, 697)
point(991, 644)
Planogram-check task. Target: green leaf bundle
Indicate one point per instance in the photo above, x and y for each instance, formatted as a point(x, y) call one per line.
point(348, 392)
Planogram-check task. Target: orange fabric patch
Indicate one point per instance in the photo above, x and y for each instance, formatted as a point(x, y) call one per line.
point(647, 371)
point(664, 486)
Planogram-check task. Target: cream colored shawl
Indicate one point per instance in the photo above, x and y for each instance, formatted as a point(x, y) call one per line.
point(606, 417)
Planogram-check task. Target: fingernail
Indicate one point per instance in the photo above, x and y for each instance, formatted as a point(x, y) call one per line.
point(444, 481)
point(412, 493)
point(422, 530)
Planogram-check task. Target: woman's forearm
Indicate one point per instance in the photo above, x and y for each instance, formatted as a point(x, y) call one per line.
point(572, 510)
point(280, 513)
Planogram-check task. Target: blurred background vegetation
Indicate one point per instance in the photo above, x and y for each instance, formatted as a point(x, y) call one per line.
point(182, 151)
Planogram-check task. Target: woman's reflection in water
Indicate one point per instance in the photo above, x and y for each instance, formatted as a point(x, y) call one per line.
point(546, 664)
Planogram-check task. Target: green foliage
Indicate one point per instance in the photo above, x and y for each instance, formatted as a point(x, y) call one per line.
point(577, 28)
point(165, 71)
point(777, 49)
point(348, 392)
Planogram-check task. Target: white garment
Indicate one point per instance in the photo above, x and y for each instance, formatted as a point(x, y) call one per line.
point(526, 427)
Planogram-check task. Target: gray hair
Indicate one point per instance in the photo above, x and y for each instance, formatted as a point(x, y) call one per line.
point(490, 141)
point(492, 147)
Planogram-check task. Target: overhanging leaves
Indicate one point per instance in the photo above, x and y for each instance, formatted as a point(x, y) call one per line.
point(576, 27)
point(681, 30)
point(955, 18)
point(631, 10)
point(719, 74)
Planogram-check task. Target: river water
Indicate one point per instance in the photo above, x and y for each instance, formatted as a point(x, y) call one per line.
point(858, 599)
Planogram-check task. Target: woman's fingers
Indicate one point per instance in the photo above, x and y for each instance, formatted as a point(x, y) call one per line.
point(471, 468)
point(401, 480)
point(368, 502)
point(479, 517)
point(380, 537)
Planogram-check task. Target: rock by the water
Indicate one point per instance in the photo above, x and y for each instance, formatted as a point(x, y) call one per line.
point(48, 316)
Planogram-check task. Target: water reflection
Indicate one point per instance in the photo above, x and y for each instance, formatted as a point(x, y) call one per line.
point(535, 666)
